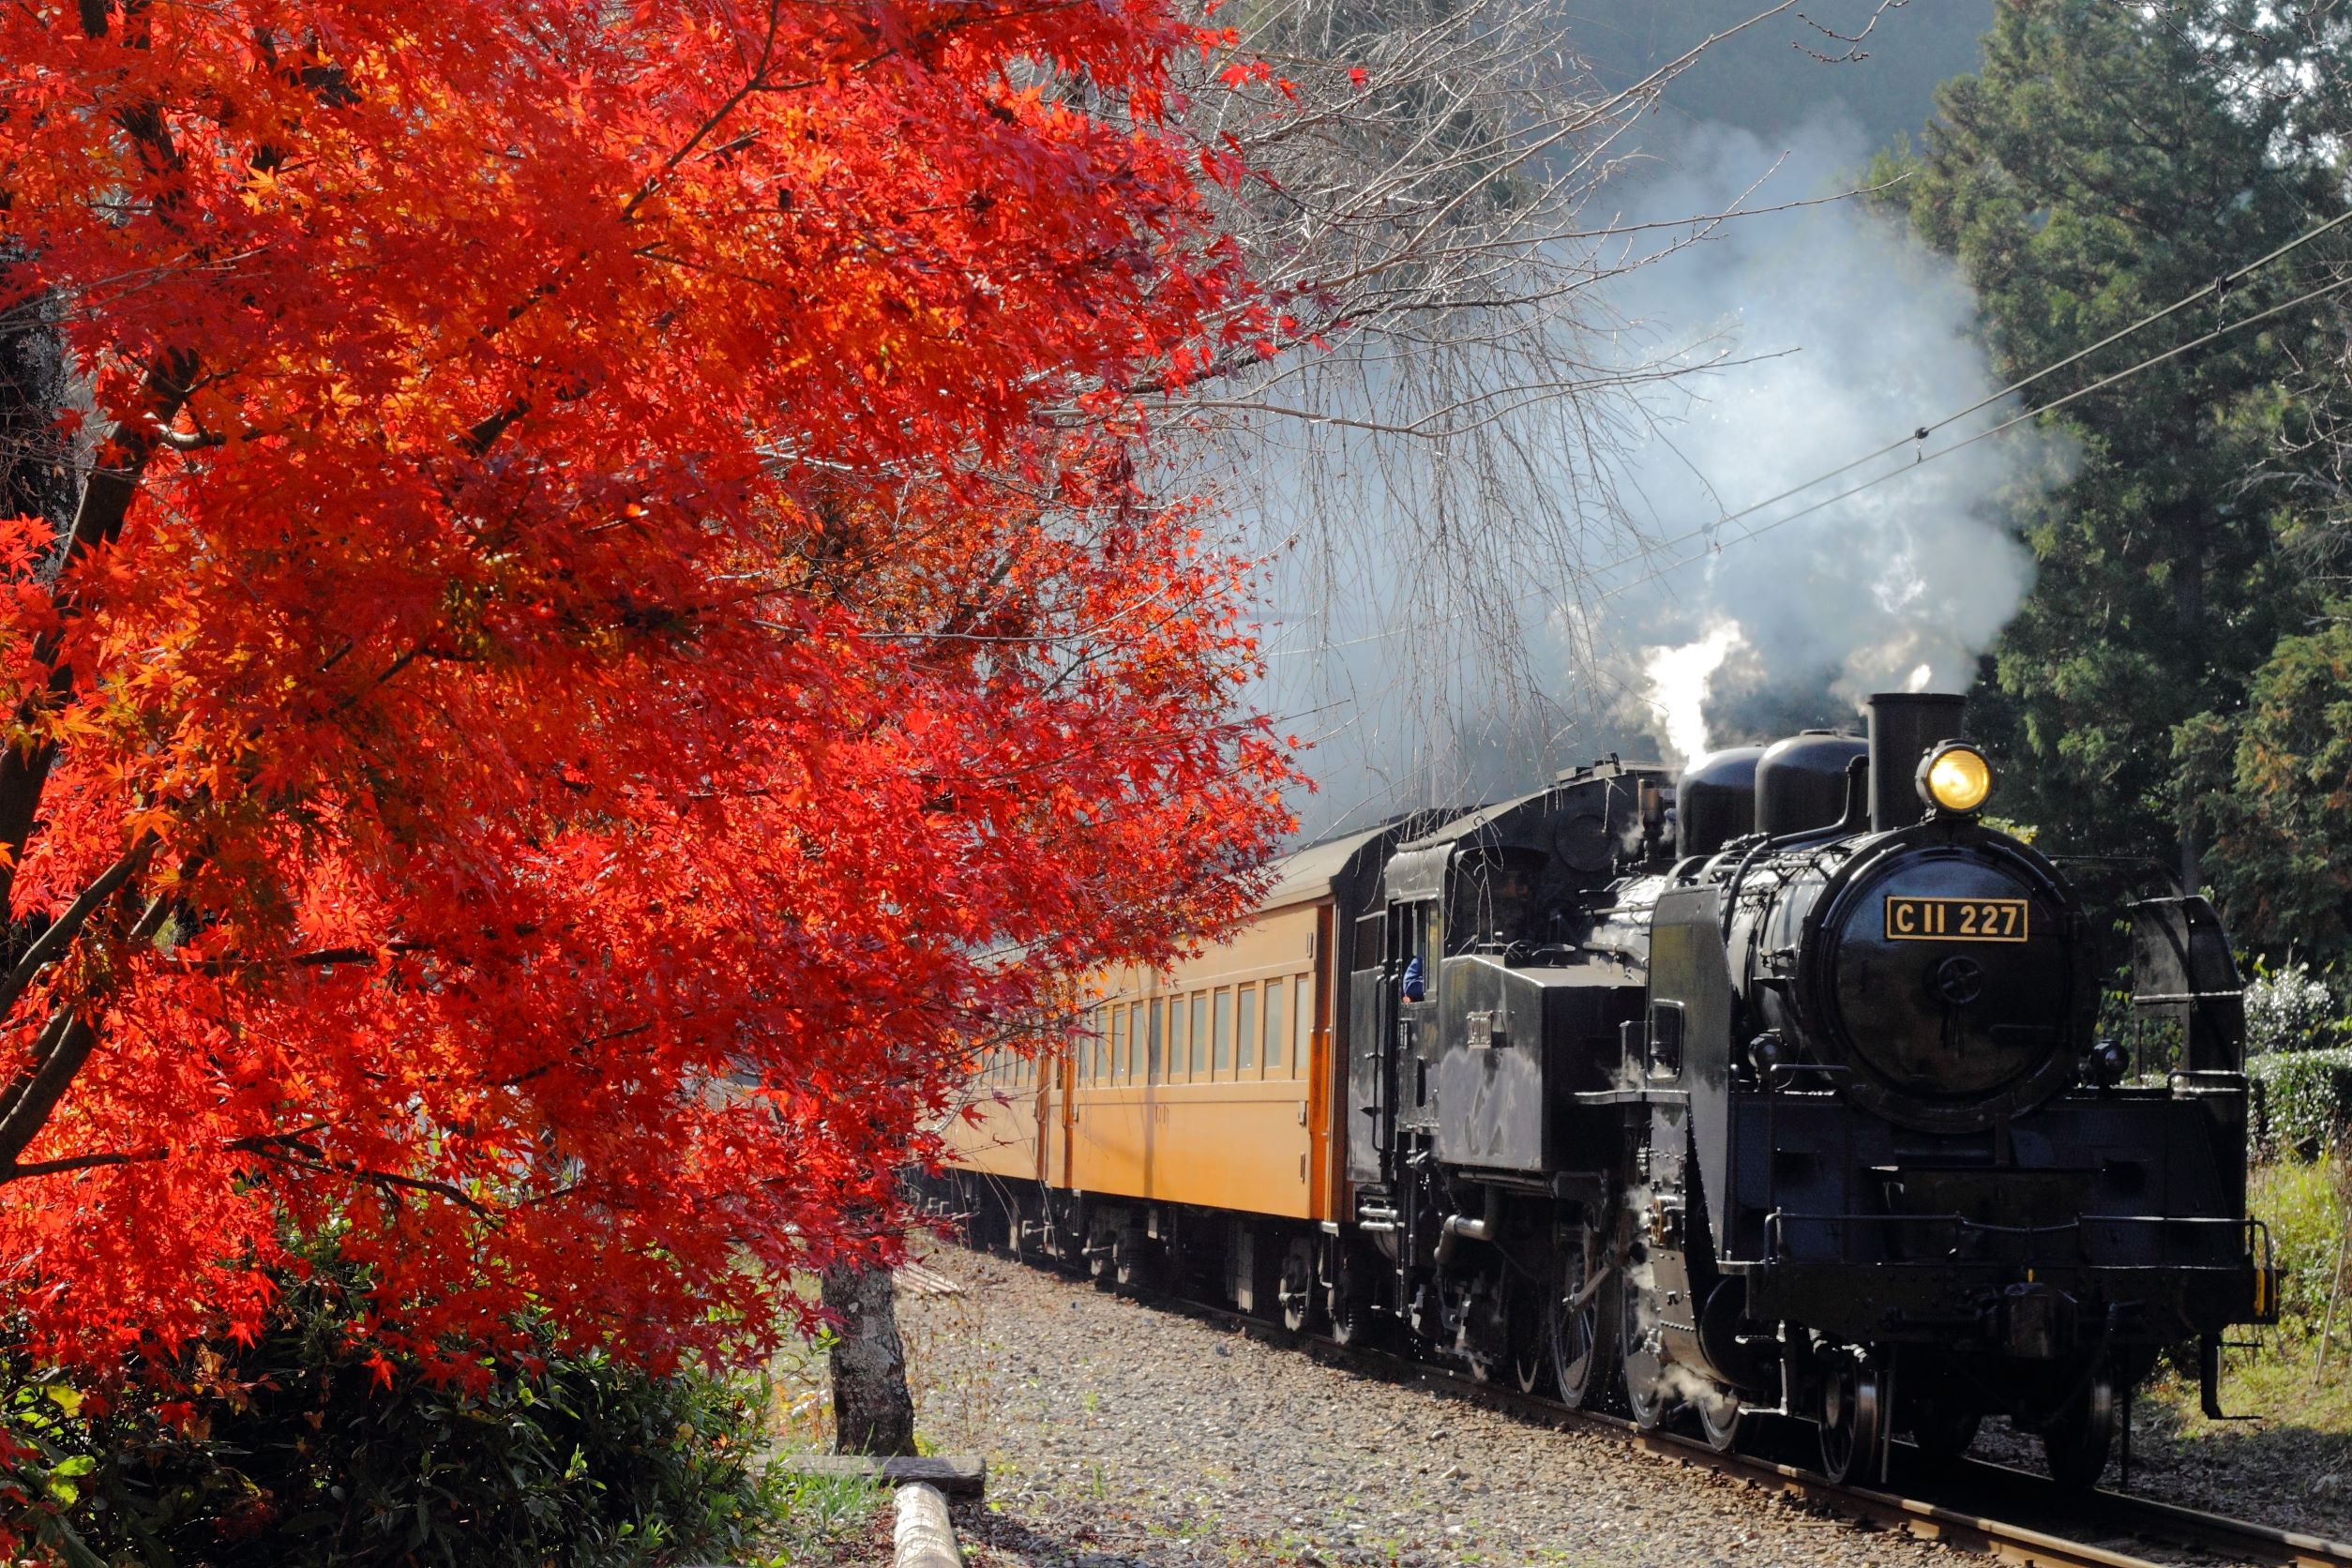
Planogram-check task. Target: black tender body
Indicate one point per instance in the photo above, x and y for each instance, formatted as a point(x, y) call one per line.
point(1769, 1089)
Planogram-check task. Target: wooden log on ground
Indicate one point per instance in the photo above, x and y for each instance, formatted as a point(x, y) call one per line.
point(921, 1536)
point(960, 1475)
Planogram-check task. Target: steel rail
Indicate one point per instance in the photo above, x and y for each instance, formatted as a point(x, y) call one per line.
point(2120, 1516)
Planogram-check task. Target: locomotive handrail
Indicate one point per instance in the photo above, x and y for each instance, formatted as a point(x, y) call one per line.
point(1791, 1069)
point(1777, 1221)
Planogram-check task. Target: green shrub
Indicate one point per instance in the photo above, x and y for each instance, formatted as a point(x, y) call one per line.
point(2303, 1203)
point(303, 1447)
point(2302, 1098)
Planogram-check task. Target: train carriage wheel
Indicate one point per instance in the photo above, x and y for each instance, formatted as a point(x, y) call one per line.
point(1131, 1260)
point(1100, 1266)
point(1348, 1301)
point(1580, 1338)
point(1297, 1291)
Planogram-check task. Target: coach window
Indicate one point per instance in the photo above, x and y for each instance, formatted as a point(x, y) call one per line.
point(1107, 1043)
point(1246, 1031)
point(1221, 1031)
point(1175, 1055)
point(1197, 1037)
point(1275, 991)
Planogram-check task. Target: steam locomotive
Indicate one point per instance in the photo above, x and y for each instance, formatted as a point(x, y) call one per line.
point(1778, 1089)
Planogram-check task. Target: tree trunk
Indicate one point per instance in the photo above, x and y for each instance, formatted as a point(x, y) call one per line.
point(872, 1411)
point(37, 478)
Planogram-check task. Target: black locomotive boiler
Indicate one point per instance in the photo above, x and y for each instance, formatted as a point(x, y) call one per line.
point(1776, 1089)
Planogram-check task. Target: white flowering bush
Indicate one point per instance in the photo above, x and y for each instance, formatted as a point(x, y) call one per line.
point(2289, 1008)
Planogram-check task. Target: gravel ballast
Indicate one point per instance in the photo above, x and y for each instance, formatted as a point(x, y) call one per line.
point(1118, 1435)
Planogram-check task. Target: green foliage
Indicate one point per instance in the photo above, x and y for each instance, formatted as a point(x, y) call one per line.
point(2274, 785)
point(2303, 1203)
point(312, 1446)
point(2101, 167)
point(2304, 1099)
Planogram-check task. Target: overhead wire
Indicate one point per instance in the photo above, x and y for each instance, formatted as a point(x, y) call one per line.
point(2021, 417)
point(2218, 288)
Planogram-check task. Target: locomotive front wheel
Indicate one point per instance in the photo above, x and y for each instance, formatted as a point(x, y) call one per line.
point(1581, 1336)
point(1724, 1421)
point(1853, 1424)
point(2077, 1443)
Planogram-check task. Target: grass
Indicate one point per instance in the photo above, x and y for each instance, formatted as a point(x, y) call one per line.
point(2306, 1204)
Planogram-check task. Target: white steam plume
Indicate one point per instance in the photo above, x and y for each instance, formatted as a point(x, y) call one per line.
point(1837, 333)
point(1678, 679)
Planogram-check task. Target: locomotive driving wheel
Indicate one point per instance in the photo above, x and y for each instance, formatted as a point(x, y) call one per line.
point(1581, 1334)
point(1853, 1417)
point(1642, 1360)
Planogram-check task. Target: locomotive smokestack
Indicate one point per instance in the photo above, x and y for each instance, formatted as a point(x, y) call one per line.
point(1903, 725)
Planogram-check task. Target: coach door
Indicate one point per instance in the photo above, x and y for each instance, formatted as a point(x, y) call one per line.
point(1371, 1028)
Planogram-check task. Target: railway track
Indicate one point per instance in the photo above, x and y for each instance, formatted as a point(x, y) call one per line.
point(1971, 1504)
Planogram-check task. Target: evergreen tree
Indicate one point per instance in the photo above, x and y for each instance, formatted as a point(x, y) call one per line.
point(2098, 169)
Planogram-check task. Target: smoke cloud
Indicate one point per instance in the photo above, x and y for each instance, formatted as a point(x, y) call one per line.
point(1834, 332)
point(1676, 614)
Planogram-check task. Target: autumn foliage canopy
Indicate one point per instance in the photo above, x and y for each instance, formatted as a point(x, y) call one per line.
point(601, 636)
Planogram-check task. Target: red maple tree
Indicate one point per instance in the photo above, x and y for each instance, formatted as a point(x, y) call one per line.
point(606, 640)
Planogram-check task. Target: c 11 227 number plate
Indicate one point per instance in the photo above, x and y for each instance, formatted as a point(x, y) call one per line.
point(1957, 919)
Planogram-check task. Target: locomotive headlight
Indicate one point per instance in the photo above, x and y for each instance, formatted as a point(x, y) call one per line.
point(1955, 777)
